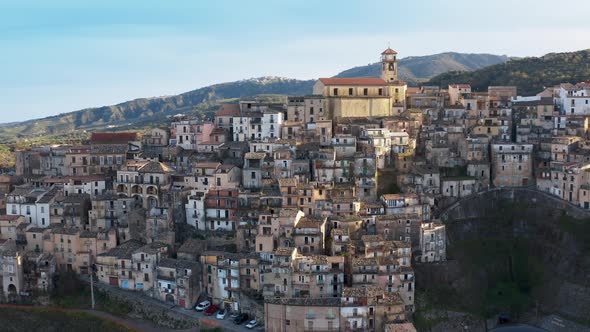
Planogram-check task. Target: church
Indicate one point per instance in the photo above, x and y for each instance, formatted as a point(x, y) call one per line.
point(365, 96)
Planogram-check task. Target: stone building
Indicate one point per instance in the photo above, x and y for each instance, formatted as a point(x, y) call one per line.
point(365, 97)
point(512, 164)
point(432, 242)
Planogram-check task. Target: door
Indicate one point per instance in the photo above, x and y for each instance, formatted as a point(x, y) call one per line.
point(181, 303)
point(113, 281)
point(525, 182)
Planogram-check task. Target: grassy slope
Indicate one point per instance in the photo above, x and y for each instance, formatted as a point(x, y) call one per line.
point(48, 321)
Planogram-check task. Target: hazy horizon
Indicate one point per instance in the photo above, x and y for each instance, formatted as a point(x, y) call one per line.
point(65, 55)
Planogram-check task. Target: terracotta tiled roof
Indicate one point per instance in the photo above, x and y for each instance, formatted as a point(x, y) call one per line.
point(283, 251)
point(389, 51)
point(461, 86)
point(228, 110)
point(113, 138)
point(155, 167)
point(9, 217)
point(353, 81)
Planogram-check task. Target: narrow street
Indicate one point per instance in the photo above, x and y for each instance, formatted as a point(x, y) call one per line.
point(204, 321)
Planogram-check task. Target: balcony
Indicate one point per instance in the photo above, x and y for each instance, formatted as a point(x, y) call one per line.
point(166, 278)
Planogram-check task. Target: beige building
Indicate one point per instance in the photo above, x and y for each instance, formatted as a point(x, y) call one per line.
point(302, 314)
point(512, 164)
point(115, 267)
point(308, 235)
point(8, 226)
point(368, 308)
point(178, 282)
point(456, 90)
point(571, 182)
point(11, 263)
point(145, 181)
point(318, 276)
point(365, 97)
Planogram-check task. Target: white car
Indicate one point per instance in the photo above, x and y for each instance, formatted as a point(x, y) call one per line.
point(202, 306)
point(252, 324)
point(221, 314)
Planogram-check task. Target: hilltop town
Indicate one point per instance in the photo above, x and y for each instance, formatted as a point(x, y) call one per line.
point(307, 215)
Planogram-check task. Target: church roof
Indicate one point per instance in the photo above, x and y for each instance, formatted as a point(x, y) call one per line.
point(389, 51)
point(353, 81)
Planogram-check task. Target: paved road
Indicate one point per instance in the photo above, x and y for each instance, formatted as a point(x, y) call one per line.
point(204, 321)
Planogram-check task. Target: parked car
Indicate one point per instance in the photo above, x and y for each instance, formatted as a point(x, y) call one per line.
point(252, 324)
point(242, 318)
point(211, 310)
point(202, 306)
point(221, 314)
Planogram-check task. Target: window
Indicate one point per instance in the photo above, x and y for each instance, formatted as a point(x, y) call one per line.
point(335, 91)
point(350, 91)
point(365, 92)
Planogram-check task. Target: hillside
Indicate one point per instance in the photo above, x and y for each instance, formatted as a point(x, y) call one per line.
point(417, 69)
point(530, 74)
point(152, 111)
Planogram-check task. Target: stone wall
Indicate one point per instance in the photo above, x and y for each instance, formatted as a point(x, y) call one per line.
point(475, 205)
point(145, 308)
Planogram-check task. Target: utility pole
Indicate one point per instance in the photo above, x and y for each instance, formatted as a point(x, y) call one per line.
point(92, 267)
point(92, 285)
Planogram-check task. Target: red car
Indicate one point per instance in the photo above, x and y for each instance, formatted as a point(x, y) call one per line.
point(211, 310)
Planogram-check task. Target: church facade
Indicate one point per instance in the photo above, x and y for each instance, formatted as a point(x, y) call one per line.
point(365, 96)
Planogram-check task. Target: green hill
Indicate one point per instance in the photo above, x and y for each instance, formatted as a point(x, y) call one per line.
point(416, 69)
point(529, 74)
point(147, 111)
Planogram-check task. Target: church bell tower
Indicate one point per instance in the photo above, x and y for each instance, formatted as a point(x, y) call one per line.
point(389, 65)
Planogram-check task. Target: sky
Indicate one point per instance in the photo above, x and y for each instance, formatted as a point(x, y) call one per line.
point(64, 55)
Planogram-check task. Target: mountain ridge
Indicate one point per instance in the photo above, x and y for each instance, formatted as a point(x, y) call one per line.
point(416, 69)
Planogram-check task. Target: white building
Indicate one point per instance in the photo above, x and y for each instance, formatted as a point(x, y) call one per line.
point(271, 124)
point(195, 210)
point(92, 185)
point(433, 242)
point(257, 125)
point(32, 203)
point(574, 99)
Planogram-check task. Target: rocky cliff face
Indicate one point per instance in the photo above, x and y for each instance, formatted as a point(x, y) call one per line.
point(514, 251)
